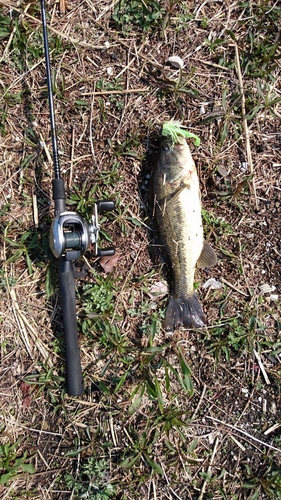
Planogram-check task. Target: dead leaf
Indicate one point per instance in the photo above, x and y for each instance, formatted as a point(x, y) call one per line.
point(222, 171)
point(213, 284)
point(26, 394)
point(108, 263)
point(159, 288)
point(176, 61)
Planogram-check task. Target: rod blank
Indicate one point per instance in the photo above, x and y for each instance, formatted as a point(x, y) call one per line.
point(50, 93)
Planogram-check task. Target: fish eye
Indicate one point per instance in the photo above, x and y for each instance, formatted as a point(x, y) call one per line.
point(165, 146)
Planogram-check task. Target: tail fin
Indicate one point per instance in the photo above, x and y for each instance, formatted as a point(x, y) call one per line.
point(186, 312)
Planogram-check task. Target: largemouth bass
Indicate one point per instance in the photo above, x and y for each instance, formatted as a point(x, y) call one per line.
point(177, 209)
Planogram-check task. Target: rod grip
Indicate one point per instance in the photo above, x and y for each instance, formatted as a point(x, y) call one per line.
point(67, 294)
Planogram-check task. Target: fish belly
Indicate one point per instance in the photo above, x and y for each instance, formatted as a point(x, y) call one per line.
point(180, 224)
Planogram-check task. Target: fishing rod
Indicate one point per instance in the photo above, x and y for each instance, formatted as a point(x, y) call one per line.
point(70, 237)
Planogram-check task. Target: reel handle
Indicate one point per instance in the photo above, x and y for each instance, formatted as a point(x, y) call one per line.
point(74, 376)
point(105, 205)
point(105, 252)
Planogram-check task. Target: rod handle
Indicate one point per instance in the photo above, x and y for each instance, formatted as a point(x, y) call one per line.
point(67, 294)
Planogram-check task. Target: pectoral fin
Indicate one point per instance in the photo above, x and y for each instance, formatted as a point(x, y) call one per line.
point(207, 257)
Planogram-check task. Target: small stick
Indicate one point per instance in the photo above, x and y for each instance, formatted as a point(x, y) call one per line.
point(168, 483)
point(9, 3)
point(31, 429)
point(45, 149)
point(20, 323)
point(91, 126)
point(209, 470)
point(199, 402)
point(209, 63)
point(35, 210)
point(245, 433)
point(272, 429)
point(267, 381)
point(238, 443)
point(126, 67)
point(245, 124)
point(62, 7)
point(71, 156)
point(112, 431)
point(233, 287)
point(122, 91)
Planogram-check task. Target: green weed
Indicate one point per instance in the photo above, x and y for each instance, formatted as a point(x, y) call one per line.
point(231, 336)
point(141, 449)
point(267, 482)
point(48, 382)
point(129, 146)
point(13, 463)
point(82, 198)
point(27, 245)
point(93, 481)
point(6, 281)
point(5, 23)
point(261, 99)
point(139, 15)
point(214, 225)
point(98, 304)
point(150, 319)
point(26, 45)
point(146, 369)
point(227, 116)
point(184, 17)
point(260, 48)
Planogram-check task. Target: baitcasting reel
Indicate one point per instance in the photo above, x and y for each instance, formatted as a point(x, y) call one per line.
point(71, 236)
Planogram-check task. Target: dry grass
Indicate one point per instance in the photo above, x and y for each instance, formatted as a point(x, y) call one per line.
point(194, 416)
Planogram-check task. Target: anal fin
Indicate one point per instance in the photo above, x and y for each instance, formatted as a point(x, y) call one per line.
point(207, 257)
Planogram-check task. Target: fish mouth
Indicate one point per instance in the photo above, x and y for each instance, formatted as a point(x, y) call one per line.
point(179, 145)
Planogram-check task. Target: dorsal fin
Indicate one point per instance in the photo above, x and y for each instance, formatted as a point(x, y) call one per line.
point(207, 257)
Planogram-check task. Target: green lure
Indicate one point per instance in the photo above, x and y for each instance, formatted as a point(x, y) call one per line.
point(174, 130)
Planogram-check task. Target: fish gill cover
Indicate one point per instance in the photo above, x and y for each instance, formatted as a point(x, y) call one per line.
point(174, 130)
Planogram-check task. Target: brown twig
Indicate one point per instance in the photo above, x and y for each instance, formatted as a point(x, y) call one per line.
point(258, 358)
point(123, 91)
point(209, 470)
point(71, 157)
point(233, 287)
point(236, 429)
point(245, 124)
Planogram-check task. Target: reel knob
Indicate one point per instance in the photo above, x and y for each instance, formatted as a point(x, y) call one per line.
point(105, 206)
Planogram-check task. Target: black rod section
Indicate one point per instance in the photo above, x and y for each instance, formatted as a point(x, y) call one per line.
point(67, 295)
point(50, 93)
